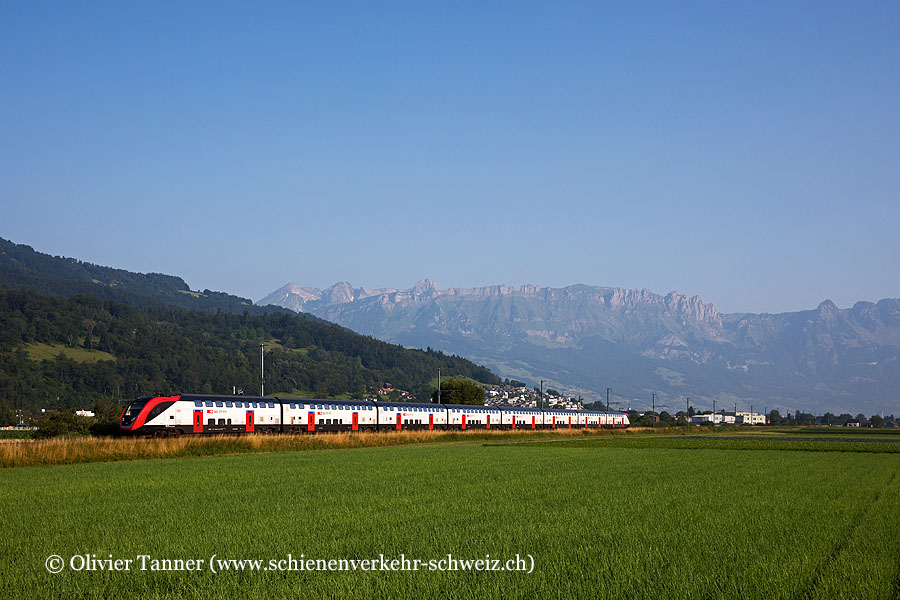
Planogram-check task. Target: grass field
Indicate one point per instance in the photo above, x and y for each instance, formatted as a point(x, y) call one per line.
point(602, 519)
point(38, 351)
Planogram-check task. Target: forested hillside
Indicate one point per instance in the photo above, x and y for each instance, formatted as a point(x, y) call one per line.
point(73, 352)
point(21, 267)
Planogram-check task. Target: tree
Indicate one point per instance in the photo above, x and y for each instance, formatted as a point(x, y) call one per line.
point(681, 421)
point(62, 423)
point(876, 421)
point(665, 417)
point(460, 391)
point(774, 417)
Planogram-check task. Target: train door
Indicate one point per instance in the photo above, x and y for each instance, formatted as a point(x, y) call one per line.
point(464, 421)
point(398, 421)
point(354, 426)
point(489, 421)
point(532, 422)
point(198, 421)
point(311, 421)
point(570, 422)
point(430, 421)
point(514, 421)
point(249, 422)
point(554, 422)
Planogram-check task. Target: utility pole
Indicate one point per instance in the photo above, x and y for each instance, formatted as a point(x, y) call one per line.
point(542, 393)
point(607, 399)
point(439, 386)
point(654, 404)
point(714, 412)
point(687, 408)
point(262, 370)
point(751, 414)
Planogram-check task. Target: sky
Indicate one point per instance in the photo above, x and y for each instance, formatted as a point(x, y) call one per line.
point(748, 153)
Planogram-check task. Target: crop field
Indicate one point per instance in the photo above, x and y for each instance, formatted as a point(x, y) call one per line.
point(602, 518)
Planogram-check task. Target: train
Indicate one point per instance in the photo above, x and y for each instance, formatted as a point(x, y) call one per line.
point(206, 414)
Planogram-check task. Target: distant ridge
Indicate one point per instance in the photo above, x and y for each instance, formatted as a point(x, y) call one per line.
point(637, 342)
point(22, 267)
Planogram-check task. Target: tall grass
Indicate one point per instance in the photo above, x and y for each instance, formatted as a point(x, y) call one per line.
point(21, 453)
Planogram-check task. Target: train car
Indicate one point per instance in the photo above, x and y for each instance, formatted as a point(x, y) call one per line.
point(560, 418)
point(468, 416)
point(616, 420)
point(521, 418)
point(397, 416)
point(312, 415)
point(593, 419)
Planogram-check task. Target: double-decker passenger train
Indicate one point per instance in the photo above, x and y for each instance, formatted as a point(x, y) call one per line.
point(194, 414)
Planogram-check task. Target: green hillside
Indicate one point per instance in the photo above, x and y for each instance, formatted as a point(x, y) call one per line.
point(22, 267)
point(168, 350)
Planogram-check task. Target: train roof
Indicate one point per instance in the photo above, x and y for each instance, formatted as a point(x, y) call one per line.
point(279, 399)
point(406, 403)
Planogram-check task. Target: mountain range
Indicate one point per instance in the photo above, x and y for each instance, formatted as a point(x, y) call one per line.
point(586, 339)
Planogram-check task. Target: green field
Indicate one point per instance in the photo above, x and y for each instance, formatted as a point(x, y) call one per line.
point(602, 519)
point(38, 351)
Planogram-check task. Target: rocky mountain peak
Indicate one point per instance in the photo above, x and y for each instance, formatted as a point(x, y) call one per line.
point(693, 307)
point(827, 310)
point(339, 293)
point(425, 287)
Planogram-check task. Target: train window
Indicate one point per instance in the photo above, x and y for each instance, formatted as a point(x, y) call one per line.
point(321, 421)
point(221, 421)
point(219, 403)
point(229, 421)
point(171, 416)
point(228, 404)
point(157, 410)
point(210, 421)
point(198, 403)
point(271, 405)
point(209, 403)
point(237, 405)
point(292, 405)
point(300, 405)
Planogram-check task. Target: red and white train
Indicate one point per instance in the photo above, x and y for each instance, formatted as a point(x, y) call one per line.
point(194, 414)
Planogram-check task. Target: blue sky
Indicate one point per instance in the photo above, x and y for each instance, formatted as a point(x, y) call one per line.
point(749, 154)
